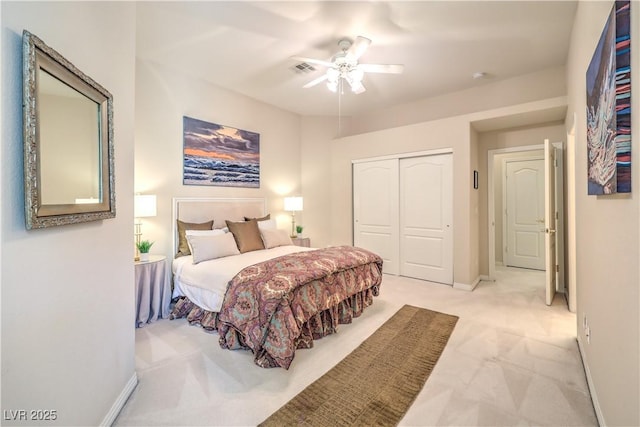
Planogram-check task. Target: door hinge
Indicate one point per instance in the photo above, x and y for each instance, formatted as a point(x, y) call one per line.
point(557, 268)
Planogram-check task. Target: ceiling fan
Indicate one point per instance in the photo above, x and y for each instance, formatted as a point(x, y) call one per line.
point(345, 66)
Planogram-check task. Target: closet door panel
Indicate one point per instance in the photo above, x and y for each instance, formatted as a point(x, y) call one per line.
point(375, 210)
point(426, 214)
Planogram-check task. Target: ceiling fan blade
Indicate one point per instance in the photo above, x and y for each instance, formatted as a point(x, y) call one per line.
point(358, 47)
point(382, 68)
point(313, 61)
point(316, 81)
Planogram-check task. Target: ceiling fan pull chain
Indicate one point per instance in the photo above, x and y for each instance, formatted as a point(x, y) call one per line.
point(340, 108)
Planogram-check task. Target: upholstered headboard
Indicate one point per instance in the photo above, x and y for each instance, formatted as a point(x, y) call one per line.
point(203, 209)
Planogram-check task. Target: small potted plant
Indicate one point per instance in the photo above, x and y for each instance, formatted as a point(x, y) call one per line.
point(299, 229)
point(143, 247)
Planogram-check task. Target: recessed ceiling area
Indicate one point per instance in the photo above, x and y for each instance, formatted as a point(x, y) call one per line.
point(247, 47)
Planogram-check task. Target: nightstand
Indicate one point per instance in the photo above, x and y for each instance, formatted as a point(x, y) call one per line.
point(301, 241)
point(153, 290)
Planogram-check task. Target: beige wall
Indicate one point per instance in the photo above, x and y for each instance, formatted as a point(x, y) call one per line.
point(317, 132)
point(67, 292)
point(607, 249)
point(163, 97)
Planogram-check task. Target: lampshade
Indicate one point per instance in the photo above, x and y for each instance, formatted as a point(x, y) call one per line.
point(144, 205)
point(293, 204)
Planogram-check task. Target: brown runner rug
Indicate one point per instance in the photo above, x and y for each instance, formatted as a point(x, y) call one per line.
point(376, 384)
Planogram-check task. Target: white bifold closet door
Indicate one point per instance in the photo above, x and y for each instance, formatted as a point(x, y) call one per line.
point(403, 210)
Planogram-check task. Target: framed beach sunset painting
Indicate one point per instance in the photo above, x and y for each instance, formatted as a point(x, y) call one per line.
point(220, 155)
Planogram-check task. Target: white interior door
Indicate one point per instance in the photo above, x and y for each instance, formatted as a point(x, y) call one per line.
point(525, 190)
point(550, 222)
point(426, 217)
point(375, 210)
point(558, 178)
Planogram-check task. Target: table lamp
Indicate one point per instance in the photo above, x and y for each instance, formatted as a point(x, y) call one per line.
point(144, 206)
point(293, 205)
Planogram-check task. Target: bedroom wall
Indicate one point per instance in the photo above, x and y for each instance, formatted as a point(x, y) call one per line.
point(163, 97)
point(67, 292)
point(316, 134)
point(607, 248)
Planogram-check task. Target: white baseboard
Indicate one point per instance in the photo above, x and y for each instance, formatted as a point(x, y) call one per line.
point(120, 401)
point(467, 286)
point(592, 390)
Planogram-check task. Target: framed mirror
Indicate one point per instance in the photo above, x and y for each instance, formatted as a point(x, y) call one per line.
point(68, 141)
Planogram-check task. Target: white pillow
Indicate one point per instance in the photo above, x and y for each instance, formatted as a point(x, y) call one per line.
point(204, 248)
point(273, 238)
point(267, 224)
point(188, 233)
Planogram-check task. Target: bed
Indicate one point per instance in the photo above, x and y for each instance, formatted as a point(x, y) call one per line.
point(273, 299)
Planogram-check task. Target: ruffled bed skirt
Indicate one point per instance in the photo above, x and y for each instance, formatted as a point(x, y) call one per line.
point(319, 325)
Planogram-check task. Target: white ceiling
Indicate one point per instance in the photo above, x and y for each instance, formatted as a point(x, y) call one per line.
point(246, 46)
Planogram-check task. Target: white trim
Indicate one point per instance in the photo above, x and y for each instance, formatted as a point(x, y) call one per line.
point(592, 388)
point(466, 286)
point(491, 223)
point(120, 401)
point(405, 155)
point(485, 278)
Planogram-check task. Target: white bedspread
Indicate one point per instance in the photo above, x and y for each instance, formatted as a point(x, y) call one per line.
point(206, 283)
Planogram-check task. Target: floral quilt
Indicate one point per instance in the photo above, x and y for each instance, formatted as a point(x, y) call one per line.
point(277, 306)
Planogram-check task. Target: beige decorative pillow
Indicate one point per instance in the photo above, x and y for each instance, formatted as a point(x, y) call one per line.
point(183, 246)
point(247, 235)
point(190, 233)
point(212, 246)
point(267, 224)
point(273, 238)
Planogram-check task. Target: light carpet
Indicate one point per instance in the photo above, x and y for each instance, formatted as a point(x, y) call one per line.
point(377, 383)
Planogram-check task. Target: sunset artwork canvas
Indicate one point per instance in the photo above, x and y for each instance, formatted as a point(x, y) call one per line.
point(220, 155)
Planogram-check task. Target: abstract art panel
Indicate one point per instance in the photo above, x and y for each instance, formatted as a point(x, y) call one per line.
point(220, 155)
point(623, 96)
point(609, 107)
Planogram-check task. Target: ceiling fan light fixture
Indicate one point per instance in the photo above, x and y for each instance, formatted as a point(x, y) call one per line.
point(345, 66)
point(356, 75)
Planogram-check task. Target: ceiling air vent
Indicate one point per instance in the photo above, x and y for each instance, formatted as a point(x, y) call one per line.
point(303, 67)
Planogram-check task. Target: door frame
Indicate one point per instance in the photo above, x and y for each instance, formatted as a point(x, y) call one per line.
point(491, 210)
point(491, 223)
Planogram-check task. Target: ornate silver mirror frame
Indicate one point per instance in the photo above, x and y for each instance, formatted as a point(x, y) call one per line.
point(68, 141)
